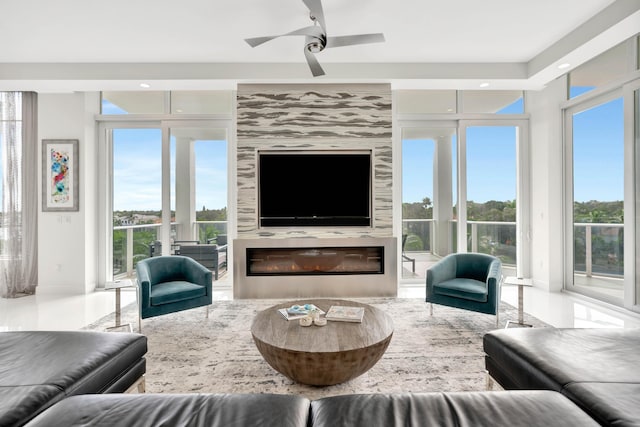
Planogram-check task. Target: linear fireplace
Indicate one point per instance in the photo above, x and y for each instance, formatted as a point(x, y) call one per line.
point(315, 261)
point(315, 267)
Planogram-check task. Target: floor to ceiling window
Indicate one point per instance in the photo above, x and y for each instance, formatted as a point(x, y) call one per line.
point(598, 198)
point(601, 177)
point(491, 191)
point(18, 194)
point(464, 181)
point(417, 204)
point(198, 191)
point(169, 176)
point(200, 184)
point(136, 195)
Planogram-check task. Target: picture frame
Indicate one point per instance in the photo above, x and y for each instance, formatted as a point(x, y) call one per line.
point(60, 178)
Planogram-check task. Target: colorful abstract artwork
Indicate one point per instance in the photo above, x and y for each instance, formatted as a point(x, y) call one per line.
point(59, 175)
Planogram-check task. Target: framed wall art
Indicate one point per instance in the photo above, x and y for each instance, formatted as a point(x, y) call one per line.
point(60, 179)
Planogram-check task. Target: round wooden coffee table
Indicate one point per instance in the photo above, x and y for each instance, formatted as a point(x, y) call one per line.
point(322, 355)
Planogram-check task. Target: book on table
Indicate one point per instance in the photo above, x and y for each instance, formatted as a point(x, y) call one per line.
point(298, 311)
point(342, 313)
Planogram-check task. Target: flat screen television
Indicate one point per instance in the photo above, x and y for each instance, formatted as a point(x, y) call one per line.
point(314, 188)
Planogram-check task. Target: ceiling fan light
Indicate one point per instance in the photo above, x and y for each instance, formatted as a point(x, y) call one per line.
point(314, 47)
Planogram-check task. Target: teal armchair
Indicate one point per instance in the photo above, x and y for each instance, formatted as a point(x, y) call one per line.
point(167, 284)
point(470, 281)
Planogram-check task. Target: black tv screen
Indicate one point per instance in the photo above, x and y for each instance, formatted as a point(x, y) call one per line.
point(314, 189)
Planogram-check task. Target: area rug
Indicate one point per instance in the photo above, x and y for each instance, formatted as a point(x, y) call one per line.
point(190, 353)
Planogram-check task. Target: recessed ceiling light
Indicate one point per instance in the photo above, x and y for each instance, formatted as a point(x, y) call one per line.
point(145, 85)
point(485, 84)
point(449, 110)
point(564, 65)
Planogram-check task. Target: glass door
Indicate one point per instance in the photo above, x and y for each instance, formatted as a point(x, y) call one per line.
point(493, 192)
point(200, 184)
point(597, 154)
point(427, 198)
point(167, 185)
point(136, 197)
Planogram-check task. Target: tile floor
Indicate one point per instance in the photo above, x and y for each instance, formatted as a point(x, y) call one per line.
point(55, 312)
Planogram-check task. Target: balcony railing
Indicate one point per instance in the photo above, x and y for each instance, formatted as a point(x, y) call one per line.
point(419, 234)
point(497, 238)
point(205, 231)
point(131, 243)
point(490, 237)
point(598, 248)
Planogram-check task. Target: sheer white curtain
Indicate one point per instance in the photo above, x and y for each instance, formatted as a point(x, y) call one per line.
point(18, 143)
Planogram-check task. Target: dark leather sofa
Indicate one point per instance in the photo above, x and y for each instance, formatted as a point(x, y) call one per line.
point(598, 369)
point(473, 409)
point(41, 368)
point(569, 377)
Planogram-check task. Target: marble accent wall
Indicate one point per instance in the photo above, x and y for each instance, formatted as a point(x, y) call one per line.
point(314, 117)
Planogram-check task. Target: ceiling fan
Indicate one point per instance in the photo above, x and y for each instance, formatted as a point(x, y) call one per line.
point(316, 39)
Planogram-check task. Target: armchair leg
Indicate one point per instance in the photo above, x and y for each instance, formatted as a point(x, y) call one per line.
point(208, 311)
point(139, 324)
point(430, 309)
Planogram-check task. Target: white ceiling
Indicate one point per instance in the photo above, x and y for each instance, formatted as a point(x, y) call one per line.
point(193, 44)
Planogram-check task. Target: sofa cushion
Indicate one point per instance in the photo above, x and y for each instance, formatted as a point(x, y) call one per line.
point(73, 361)
point(170, 292)
point(472, 409)
point(210, 410)
point(18, 404)
point(470, 289)
point(45, 366)
point(596, 368)
point(551, 358)
point(614, 404)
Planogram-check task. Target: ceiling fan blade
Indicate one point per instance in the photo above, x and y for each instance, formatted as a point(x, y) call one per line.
point(306, 31)
point(314, 65)
point(257, 41)
point(315, 7)
point(339, 41)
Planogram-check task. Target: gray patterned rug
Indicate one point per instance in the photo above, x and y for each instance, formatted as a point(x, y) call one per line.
point(189, 353)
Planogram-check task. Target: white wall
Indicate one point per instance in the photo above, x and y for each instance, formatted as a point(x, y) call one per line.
point(67, 249)
point(547, 197)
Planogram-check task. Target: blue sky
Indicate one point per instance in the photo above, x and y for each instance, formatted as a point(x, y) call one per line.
point(137, 184)
point(491, 172)
point(598, 156)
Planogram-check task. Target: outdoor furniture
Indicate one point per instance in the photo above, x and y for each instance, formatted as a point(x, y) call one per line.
point(470, 281)
point(167, 284)
point(405, 257)
point(213, 257)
